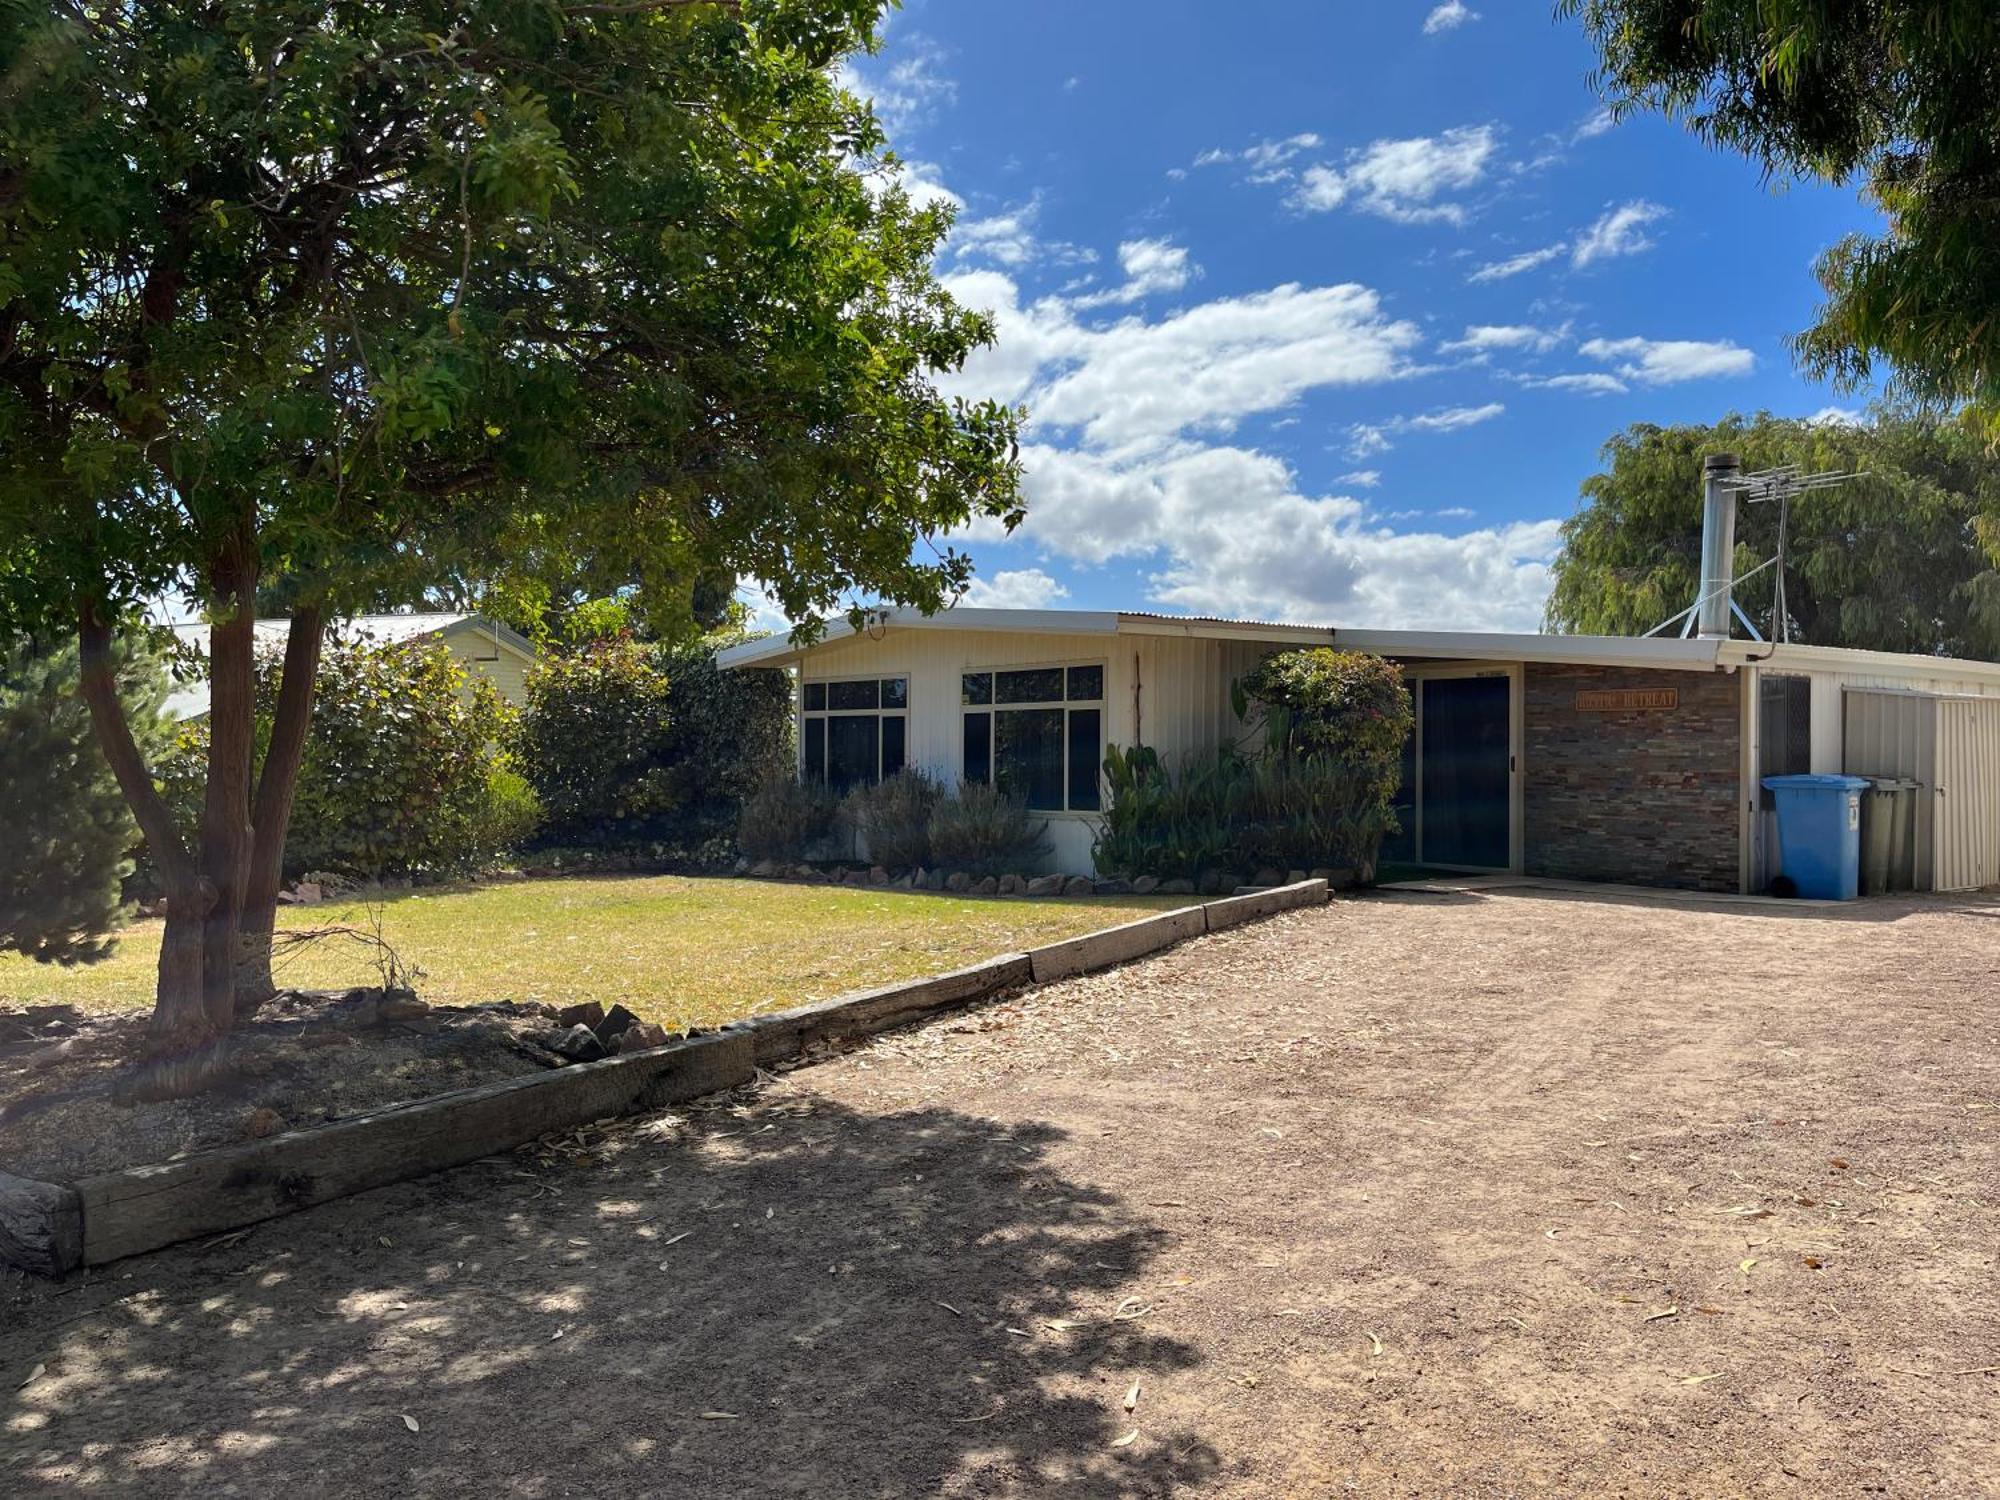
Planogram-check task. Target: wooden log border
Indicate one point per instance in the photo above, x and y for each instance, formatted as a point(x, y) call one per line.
point(52, 1228)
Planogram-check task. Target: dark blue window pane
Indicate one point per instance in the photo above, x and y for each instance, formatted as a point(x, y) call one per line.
point(1028, 756)
point(979, 747)
point(853, 750)
point(854, 694)
point(1086, 749)
point(815, 697)
point(1086, 684)
point(895, 692)
point(895, 730)
point(815, 750)
point(1043, 685)
point(976, 687)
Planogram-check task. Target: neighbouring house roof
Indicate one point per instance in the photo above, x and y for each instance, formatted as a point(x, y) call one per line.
point(1665, 653)
point(190, 700)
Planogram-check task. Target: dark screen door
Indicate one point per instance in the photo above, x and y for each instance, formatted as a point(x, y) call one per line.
point(1467, 757)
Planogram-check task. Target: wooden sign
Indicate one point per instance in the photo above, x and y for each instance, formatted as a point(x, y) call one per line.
point(1627, 700)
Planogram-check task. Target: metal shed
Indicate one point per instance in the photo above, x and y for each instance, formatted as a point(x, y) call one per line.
point(1949, 744)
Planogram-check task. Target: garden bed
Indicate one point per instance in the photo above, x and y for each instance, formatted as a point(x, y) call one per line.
point(245, 1151)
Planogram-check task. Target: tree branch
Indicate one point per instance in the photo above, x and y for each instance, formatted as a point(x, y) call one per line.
point(99, 690)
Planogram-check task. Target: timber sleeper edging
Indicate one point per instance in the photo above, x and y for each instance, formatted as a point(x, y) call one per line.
point(52, 1228)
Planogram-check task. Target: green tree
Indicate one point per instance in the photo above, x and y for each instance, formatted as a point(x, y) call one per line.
point(1905, 557)
point(348, 301)
point(65, 835)
point(1903, 94)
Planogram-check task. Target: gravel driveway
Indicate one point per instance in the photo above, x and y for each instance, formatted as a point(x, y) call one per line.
point(1477, 1194)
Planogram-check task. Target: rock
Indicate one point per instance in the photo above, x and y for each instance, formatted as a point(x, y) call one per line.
point(1217, 883)
point(401, 1010)
point(877, 875)
point(641, 1037)
point(1079, 885)
point(1268, 877)
point(803, 872)
point(261, 1124)
point(742, 865)
point(1045, 885)
point(906, 881)
point(586, 1013)
point(1145, 885)
point(1177, 887)
point(1342, 880)
point(987, 887)
point(1012, 885)
point(935, 880)
point(1114, 887)
point(617, 1021)
point(578, 1044)
point(763, 870)
point(854, 877)
point(958, 881)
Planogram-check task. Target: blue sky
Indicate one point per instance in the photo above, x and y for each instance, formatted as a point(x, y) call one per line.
point(1322, 312)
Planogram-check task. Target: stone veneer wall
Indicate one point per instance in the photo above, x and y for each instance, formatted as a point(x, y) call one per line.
point(1642, 797)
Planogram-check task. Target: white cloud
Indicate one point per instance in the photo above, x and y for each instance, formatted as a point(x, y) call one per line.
point(1619, 231)
point(1267, 161)
point(1402, 180)
point(1010, 238)
point(1527, 260)
point(1592, 125)
point(1368, 438)
point(907, 92)
point(1484, 338)
point(1364, 479)
point(1199, 370)
point(1838, 416)
point(1449, 17)
point(1457, 513)
point(1666, 361)
point(1150, 266)
point(1235, 536)
point(1020, 588)
point(1590, 382)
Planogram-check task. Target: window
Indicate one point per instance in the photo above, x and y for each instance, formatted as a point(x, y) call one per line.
point(854, 731)
point(1038, 733)
point(1784, 724)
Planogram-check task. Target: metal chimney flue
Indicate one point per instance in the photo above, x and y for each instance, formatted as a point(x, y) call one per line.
point(1719, 473)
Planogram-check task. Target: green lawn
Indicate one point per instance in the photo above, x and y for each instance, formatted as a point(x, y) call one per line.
point(675, 950)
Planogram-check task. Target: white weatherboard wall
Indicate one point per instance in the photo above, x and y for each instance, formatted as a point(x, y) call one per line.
point(1169, 692)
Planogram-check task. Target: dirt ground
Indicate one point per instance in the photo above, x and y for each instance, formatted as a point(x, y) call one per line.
point(1412, 1195)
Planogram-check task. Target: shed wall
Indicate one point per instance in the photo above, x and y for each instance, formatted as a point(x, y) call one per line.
point(1638, 796)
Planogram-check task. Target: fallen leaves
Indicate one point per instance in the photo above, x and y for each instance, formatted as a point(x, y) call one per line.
point(33, 1375)
point(1665, 1312)
point(1132, 1397)
point(722, 1416)
point(1127, 1440)
point(1701, 1379)
point(1746, 1263)
point(411, 1422)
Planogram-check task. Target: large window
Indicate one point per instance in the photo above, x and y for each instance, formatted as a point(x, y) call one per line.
point(855, 731)
point(1038, 734)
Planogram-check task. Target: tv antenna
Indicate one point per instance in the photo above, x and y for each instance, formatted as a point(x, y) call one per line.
point(1776, 486)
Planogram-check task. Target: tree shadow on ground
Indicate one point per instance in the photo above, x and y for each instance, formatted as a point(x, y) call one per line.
point(779, 1297)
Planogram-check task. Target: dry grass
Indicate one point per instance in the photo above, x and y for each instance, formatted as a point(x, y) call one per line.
point(676, 950)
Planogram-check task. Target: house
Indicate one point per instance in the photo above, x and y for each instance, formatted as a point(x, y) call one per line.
point(1594, 758)
point(484, 647)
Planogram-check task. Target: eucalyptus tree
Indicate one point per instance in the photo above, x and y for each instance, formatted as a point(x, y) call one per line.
point(327, 301)
point(1901, 95)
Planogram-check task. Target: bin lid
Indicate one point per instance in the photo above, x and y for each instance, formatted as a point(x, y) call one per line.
point(1816, 783)
point(1893, 783)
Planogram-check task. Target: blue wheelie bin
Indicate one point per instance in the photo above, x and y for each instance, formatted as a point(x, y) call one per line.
point(1819, 833)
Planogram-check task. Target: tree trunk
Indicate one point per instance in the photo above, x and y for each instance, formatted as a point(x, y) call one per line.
point(181, 1023)
point(271, 812)
point(225, 837)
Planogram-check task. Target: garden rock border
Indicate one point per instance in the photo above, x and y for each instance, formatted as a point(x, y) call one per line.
point(52, 1228)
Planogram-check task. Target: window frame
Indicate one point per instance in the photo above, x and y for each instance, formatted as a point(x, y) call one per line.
point(1100, 705)
point(827, 712)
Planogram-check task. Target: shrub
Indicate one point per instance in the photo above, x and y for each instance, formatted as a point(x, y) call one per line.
point(513, 811)
point(784, 818)
point(404, 771)
point(1346, 707)
point(627, 742)
point(982, 831)
point(894, 818)
point(66, 839)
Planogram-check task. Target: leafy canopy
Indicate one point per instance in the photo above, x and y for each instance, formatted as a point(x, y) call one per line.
point(1904, 558)
point(1903, 93)
point(389, 293)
